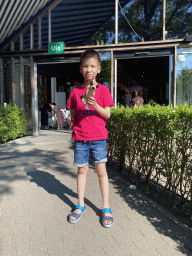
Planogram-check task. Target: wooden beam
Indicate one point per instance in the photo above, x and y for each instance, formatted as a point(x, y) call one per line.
point(116, 21)
point(12, 46)
point(21, 41)
point(39, 34)
point(31, 37)
point(164, 18)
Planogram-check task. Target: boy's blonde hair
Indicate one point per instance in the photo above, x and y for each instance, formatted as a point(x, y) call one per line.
point(90, 54)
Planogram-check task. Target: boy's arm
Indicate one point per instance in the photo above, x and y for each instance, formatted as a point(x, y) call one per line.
point(72, 112)
point(104, 112)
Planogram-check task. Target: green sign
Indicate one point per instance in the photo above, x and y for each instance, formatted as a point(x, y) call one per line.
point(56, 48)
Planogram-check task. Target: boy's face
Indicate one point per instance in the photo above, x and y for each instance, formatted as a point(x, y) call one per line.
point(90, 68)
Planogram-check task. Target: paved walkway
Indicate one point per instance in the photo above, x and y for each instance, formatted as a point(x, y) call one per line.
point(38, 191)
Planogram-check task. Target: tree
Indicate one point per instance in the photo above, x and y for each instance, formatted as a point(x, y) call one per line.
point(184, 86)
point(105, 75)
point(144, 19)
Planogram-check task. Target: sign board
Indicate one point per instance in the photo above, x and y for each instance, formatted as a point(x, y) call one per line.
point(56, 48)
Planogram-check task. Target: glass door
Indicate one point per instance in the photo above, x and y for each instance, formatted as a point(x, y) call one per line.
point(184, 76)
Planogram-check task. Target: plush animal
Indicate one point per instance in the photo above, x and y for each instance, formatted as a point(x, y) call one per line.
point(90, 92)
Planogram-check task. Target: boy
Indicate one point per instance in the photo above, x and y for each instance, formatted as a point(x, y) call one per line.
point(90, 133)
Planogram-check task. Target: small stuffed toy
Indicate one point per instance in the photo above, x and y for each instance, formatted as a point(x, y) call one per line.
point(89, 93)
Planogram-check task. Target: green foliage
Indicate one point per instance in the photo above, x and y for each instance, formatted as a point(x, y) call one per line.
point(105, 75)
point(144, 19)
point(184, 85)
point(156, 142)
point(12, 123)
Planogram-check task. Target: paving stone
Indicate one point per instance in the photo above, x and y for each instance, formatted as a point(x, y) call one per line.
point(123, 249)
point(172, 250)
point(34, 209)
point(94, 252)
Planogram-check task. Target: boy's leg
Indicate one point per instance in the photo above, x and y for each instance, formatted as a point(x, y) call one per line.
point(104, 186)
point(81, 183)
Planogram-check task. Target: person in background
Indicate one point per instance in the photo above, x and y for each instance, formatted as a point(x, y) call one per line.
point(127, 99)
point(45, 110)
point(59, 118)
point(137, 99)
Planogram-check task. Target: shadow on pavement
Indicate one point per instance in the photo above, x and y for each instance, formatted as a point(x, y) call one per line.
point(137, 201)
point(22, 158)
point(53, 186)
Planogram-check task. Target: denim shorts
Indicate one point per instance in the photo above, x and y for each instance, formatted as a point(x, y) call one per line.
point(84, 149)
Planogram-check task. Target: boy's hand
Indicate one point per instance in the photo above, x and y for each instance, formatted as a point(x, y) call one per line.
point(104, 112)
point(91, 102)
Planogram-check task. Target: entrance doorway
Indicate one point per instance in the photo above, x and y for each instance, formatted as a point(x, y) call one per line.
point(66, 76)
point(151, 75)
point(55, 82)
point(150, 71)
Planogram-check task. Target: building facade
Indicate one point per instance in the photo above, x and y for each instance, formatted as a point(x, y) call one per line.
point(31, 76)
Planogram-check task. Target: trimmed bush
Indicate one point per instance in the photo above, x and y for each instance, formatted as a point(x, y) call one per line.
point(12, 123)
point(155, 142)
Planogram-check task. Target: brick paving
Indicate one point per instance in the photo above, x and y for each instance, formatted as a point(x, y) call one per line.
point(38, 191)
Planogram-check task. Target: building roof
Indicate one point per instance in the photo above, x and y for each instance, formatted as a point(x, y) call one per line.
point(72, 21)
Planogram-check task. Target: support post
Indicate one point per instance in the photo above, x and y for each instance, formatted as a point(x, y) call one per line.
point(49, 22)
point(115, 83)
point(31, 37)
point(21, 41)
point(22, 104)
point(12, 46)
point(34, 96)
point(13, 80)
point(1, 83)
point(112, 74)
point(53, 93)
point(116, 21)
point(39, 33)
point(164, 17)
point(174, 77)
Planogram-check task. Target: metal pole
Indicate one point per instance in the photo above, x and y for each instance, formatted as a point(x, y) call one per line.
point(164, 17)
point(22, 82)
point(49, 21)
point(174, 77)
point(35, 118)
point(112, 71)
point(116, 21)
point(13, 80)
point(115, 83)
point(1, 83)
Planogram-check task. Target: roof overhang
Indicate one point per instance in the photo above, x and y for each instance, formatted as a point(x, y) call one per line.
point(72, 21)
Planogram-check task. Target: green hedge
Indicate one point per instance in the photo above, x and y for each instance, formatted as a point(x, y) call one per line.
point(12, 123)
point(155, 142)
